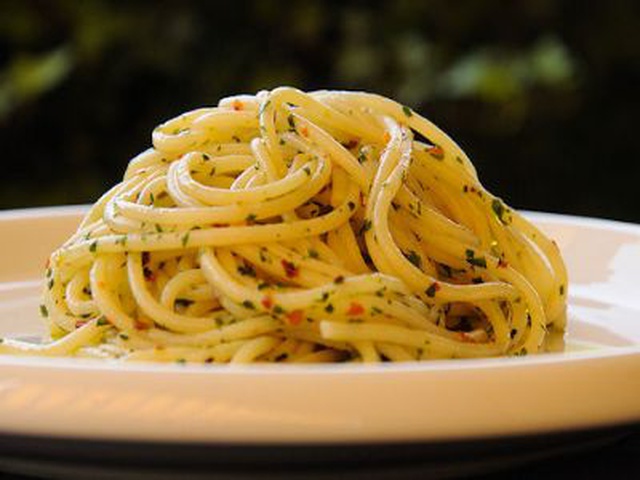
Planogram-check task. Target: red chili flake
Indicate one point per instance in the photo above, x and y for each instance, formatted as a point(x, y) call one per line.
point(295, 317)
point(386, 137)
point(304, 131)
point(433, 288)
point(355, 309)
point(502, 263)
point(290, 269)
point(436, 152)
point(363, 200)
point(80, 323)
point(139, 325)
point(148, 274)
point(237, 105)
point(353, 143)
point(267, 302)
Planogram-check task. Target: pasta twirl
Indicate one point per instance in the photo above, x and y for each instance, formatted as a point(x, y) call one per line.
point(301, 227)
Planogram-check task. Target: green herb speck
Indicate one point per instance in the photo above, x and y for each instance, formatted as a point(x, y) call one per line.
point(248, 304)
point(414, 258)
point(500, 210)
point(185, 239)
point(366, 226)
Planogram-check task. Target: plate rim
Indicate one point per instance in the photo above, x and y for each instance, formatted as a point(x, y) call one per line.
point(23, 367)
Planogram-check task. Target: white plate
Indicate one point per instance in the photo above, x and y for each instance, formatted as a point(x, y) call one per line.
point(427, 402)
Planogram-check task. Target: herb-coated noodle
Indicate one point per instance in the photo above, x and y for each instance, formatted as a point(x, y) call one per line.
point(301, 227)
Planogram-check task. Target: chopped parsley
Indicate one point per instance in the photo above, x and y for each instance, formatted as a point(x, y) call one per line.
point(185, 239)
point(366, 226)
point(183, 302)
point(500, 210)
point(414, 258)
point(248, 304)
point(246, 270)
point(407, 111)
point(283, 356)
point(475, 261)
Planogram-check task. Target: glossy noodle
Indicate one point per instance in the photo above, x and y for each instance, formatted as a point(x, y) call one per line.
point(301, 227)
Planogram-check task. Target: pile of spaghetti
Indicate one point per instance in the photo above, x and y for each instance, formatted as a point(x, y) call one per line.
point(301, 227)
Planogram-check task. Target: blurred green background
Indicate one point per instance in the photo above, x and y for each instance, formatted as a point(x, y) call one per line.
point(542, 95)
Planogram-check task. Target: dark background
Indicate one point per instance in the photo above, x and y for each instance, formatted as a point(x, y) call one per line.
point(543, 95)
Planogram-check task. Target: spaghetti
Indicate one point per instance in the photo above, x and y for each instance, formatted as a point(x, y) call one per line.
point(301, 227)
